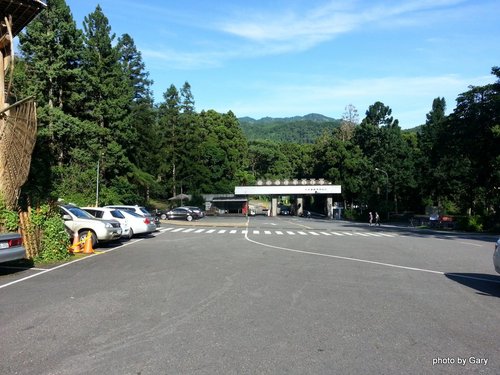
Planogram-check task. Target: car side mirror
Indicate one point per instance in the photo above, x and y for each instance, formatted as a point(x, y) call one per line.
point(66, 217)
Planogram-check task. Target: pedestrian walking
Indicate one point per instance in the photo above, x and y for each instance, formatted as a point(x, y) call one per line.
point(370, 218)
point(377, 219)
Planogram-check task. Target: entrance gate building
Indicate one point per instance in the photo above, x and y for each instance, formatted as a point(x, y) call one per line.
point(295, 187)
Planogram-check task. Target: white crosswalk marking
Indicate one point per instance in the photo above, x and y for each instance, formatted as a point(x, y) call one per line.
point(279, 232)
point(362, 234)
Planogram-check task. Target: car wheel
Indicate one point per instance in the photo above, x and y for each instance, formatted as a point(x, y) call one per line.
point(130, 234)
point(163, 216)
point(83, 236)
point(189, 218)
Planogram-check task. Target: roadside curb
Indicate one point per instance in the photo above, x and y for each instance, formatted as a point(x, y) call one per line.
point(198, 223)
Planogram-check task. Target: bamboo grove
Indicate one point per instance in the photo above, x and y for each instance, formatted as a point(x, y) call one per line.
point(98, 122)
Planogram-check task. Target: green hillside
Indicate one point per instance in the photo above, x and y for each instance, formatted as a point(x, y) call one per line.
point(297, 129)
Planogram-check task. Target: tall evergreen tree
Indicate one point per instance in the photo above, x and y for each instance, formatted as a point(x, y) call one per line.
point(142, 118)
point(51, 50)
point(108, 98)
point(168, 122)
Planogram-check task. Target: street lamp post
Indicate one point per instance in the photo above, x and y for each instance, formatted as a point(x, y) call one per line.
point(97, 186)
point(386, 190)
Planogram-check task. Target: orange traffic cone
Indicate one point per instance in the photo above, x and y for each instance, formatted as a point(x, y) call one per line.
point(75, 248)
point(88, 244)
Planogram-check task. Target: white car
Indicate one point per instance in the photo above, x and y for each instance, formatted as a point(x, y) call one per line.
point(496, 256)
point(138, 224)
point(108, 213)
point(139, 210)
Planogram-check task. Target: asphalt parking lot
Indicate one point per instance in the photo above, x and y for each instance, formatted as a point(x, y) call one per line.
point(271, 295)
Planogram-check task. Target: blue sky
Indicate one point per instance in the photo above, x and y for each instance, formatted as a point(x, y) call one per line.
point(285, 58)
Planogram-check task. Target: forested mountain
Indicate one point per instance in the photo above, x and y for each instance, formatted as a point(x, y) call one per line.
point(297, 129)
point(98, 125)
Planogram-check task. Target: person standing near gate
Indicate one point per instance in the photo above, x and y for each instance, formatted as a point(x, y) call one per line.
point(377, 219)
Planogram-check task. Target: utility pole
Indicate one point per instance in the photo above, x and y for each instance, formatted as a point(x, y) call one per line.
point(386, 190)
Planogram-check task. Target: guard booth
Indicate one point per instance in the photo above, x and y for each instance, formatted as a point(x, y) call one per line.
point(295, 187)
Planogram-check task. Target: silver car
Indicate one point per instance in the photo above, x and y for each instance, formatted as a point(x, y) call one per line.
point(79, 221)
point(496, 256)
point(11, 247)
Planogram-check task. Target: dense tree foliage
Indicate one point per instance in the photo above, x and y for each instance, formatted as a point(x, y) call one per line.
point(98, 122)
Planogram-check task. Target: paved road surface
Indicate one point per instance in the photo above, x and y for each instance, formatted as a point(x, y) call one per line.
point(279, 295)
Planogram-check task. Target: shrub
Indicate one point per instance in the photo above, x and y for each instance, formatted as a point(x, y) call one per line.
point(350, 214)
point(9, 220)
point(54, 238)
point(470, 223)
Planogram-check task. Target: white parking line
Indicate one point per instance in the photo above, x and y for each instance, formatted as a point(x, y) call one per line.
point(188, 230)
point(256, 232)
point(222, 231)
point(302, 233)
point(210, 230)
point(337, 234)
point(314, 233)
point(166, 229)
point(69, 263)
point(267, 232)
point(347, 233)
point(291, 233)
point(199, 230)
point(278, 232)
point(233, 231)
point(178, 230)
point(325, 234)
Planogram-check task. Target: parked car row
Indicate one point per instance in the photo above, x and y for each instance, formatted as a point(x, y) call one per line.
point(109, 223)
point(188, 213)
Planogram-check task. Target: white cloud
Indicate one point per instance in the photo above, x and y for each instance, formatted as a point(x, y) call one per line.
point(323, 22)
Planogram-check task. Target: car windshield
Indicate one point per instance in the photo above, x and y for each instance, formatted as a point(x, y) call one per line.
point(79, 213)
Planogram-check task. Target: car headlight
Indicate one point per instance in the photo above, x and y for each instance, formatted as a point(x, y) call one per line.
point(108, 225)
